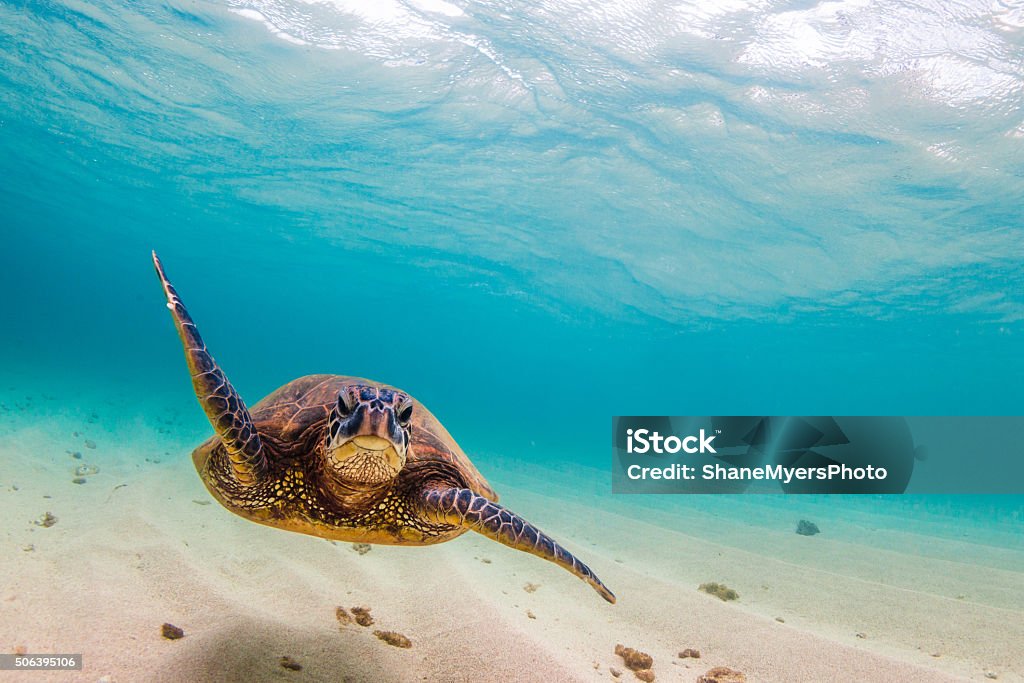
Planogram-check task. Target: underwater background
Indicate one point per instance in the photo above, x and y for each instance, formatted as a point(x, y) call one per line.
point(530, 216)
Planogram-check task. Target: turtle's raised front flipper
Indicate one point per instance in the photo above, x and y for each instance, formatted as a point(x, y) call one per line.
point(462, 507)
point(222, 404)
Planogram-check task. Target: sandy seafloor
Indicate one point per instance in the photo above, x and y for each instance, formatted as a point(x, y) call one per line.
point(932, 595)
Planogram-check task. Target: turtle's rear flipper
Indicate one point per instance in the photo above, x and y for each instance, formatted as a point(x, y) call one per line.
point(462, 507)
point(222, 404)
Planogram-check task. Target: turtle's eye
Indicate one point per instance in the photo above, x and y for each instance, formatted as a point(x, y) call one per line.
point(346, 403)
point(405, 413)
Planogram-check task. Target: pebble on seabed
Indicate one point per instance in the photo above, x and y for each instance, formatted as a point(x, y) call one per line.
point(171, 632)
point(290, 664)
point(47, 520)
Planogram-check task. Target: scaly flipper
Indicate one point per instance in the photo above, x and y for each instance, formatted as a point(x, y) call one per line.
point(222, 404)
point(462, 507)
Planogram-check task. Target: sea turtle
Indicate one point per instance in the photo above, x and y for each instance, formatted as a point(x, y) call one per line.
point(346, 458)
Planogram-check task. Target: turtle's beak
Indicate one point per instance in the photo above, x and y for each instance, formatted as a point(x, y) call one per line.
point(369, 442)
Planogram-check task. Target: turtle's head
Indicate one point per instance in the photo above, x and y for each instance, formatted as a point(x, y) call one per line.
point(367, 437)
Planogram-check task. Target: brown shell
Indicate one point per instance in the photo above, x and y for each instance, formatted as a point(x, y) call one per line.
point(287, 412)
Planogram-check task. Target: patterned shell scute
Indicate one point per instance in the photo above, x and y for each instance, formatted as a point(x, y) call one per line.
point(287, 412)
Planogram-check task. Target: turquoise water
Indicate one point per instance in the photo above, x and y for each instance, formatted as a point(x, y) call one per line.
point(529, 220)
point(526, 223)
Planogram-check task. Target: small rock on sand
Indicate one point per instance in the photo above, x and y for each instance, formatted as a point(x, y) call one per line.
point(362, 616)
point(47, 520)
point(289, 663)
point(634, 659)
point(723, 674)
point(89, 443)
point(719, 590)
point(171, 632)
point(614, 672)
point(79, 480)
point(530, 614)
point(645, 675)
point(392, 638)
point(689, 652)
point(362, 548)
point(807, 528)
point(342, 615)
point(531, 587)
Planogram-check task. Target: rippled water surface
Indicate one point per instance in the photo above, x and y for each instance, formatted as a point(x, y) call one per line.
point(530, 215)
